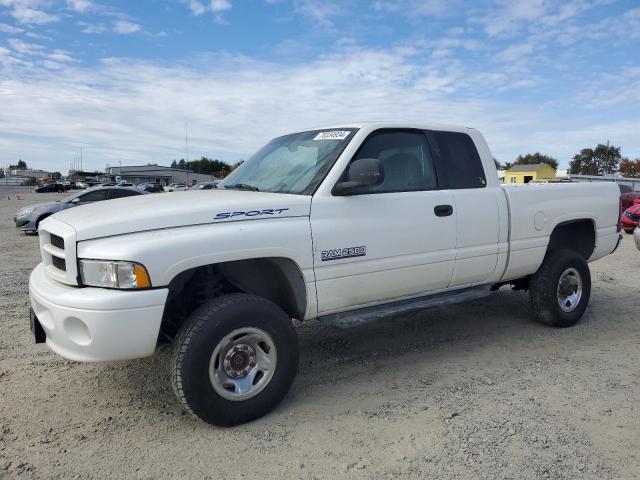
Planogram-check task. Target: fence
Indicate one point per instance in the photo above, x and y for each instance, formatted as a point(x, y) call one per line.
point(634, 183)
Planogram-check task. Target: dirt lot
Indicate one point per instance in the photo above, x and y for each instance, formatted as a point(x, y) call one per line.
point(471, 391)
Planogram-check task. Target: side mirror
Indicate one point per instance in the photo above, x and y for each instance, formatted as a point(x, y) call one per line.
point(363, 172)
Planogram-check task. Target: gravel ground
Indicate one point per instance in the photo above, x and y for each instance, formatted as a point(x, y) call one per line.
point(471, 391)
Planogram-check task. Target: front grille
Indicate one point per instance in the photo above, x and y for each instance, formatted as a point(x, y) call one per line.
point(59, 263)
point(635, 217)
point(57, 241)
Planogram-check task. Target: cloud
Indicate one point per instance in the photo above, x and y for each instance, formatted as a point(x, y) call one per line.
point(319, 11)
point(25, 48)
point(29, 11)
point(80, 6)
point(6, 28)
point(92, 27)
point(220, 5)
point(417, 8)
point(125, 27)
point(132, 110)
point(198, 7)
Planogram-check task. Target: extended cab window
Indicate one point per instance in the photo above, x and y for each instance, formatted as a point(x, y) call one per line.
point(407, 161)
point(460, 160)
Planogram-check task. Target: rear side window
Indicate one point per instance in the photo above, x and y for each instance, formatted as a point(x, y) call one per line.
point(94, 196)
point(460, 160)
point(121, 193)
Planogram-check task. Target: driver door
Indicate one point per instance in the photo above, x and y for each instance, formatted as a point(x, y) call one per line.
point(390, 241)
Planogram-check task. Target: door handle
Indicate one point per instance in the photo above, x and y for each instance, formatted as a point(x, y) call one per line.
point(443, 210)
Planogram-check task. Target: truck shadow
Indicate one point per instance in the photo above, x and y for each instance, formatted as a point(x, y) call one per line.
point(429, 340)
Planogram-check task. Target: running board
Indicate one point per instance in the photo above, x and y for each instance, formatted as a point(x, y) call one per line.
point(378, 312)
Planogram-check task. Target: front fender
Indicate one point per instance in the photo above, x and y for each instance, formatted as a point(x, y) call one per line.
point(167, 252)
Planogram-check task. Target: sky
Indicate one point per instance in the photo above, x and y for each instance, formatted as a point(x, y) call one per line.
point(121, 79)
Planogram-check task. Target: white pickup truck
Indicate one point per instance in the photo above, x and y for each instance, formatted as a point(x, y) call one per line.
point(343, 224)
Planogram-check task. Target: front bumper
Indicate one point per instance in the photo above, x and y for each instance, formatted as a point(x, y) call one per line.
point(96, 324)
point(628, 224)
point(25, 223)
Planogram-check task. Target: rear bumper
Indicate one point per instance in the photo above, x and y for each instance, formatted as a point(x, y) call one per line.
point(96, 324)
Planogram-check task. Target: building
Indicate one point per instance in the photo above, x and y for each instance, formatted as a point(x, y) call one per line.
point(29, 173)
point(138, 174)
point(521, 174)
point(82, 176)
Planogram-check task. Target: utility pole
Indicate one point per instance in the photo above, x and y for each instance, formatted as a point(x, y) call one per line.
point(186, 142)
point(80, 158)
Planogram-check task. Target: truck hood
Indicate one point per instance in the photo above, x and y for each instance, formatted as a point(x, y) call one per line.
point(176, 209)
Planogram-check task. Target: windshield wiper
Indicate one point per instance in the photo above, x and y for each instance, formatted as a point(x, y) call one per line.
point(243, 186)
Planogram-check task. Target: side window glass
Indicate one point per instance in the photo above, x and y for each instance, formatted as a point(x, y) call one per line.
point(461, 161)
point(406, 158)
point(95, 196)
point(120, 193)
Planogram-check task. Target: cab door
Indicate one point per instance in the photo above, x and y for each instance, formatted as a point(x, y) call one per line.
point(477, 206)
point(390, 241)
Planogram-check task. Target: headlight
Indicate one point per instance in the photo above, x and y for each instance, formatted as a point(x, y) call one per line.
point(627, 214)
point(113, 274)
point(26, 211)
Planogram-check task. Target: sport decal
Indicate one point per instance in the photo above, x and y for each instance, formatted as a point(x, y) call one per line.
point(250, 213)
point(340, 253)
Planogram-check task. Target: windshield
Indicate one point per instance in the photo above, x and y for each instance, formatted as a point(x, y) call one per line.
point(295, 163)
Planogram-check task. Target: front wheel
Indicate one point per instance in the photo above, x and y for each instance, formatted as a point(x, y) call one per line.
point(234, 359)
point(559, 291)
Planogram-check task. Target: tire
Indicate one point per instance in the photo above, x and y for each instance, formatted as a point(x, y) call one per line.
point(553, 304)
point(627, 231)
point(197, 370)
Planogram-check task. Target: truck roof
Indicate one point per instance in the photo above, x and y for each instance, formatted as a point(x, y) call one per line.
point(373, 125)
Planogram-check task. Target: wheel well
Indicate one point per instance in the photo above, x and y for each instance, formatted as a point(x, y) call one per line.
point(42, 217)
point(576, 235)
point(277, 279)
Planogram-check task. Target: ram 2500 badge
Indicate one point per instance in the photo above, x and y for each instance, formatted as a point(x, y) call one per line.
point(345, 224)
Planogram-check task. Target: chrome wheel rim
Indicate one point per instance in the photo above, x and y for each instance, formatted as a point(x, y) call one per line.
point(242, 364)
point(569, 290)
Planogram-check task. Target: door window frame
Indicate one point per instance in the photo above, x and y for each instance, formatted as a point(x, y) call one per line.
point(437, 162)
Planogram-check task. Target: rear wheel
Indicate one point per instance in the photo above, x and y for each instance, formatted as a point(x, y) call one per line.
point(560, 290)
point(234, 359)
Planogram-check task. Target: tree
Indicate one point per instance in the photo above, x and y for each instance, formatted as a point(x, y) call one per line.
point(174, 164)
point(56, 176)
point(22, 165)
point(236, 165)
point(602, 160)
point(532, 158)
point(498, 165)
point(630, 168)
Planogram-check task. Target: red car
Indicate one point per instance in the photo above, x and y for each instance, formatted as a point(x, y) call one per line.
point(630, 218)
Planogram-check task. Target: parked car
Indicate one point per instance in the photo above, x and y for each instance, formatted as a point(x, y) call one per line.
point(151, 187)
point(627, 197)
point(176, 187)
point(343, 225)
point(50, 187)
point(630, 219)
point(203, 186)
point(28, 219)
